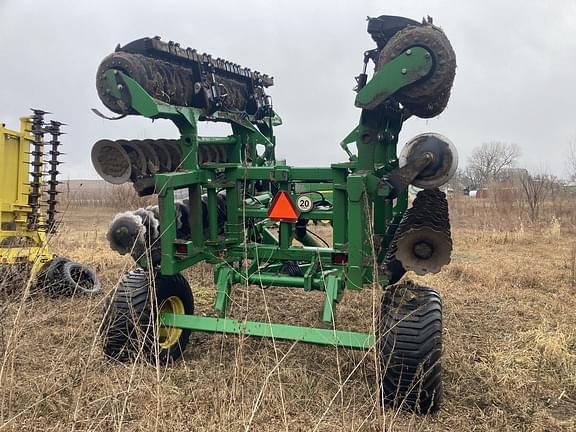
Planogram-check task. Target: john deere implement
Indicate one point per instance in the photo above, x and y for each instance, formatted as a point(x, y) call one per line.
point(228, 201)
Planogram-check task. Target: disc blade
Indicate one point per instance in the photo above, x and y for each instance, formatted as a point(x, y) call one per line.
point(111, 161)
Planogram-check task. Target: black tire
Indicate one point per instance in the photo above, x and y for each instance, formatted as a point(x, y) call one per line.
point(80, 279)
point(167, 287)
point(429, 96)
point(49, 268)
point(429, 109)
point(129, 317)
point(410, 348)
point(49, 277)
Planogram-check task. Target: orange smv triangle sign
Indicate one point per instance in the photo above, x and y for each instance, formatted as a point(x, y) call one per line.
point(283, 209)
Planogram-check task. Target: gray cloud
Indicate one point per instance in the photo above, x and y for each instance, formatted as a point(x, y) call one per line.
point(514, 80)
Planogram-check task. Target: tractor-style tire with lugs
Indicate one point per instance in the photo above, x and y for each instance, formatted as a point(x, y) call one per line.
point(80, 279)
point(429, 96)
point(130, 317)
point(49, 278)
point(410, 347)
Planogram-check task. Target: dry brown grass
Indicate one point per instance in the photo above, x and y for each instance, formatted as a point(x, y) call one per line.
point(509, 352)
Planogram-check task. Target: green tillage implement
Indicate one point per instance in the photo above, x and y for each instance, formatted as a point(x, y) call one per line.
point(227, 201)
point(357, 212)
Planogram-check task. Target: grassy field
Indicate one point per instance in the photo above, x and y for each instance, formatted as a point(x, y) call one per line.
point(509, 349)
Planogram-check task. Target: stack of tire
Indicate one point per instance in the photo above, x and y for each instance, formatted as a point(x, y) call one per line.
point(62, 277)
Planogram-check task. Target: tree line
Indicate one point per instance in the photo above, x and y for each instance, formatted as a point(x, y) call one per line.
point(494, 165)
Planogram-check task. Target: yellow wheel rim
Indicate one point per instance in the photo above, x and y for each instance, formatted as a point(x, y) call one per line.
point(169, 336)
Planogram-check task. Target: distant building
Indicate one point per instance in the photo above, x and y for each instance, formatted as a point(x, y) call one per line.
point(570, 186)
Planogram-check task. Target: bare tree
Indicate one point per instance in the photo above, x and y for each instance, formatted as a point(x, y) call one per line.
point(489, 160)
point(536, 188)
point(556, 194)
point(459, 182)
point(571, 160)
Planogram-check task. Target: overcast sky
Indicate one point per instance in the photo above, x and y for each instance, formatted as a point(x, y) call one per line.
point(515, 80)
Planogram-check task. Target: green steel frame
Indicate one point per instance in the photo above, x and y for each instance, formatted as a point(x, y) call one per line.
point(363, 218)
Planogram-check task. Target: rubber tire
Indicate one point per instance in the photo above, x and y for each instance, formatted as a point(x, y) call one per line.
point(127, 325)
point(168, 286)
point(68, 276)
point(126, 319)
point(410, 348)
point(430, 109)
point(429, 96)
point(49, 277)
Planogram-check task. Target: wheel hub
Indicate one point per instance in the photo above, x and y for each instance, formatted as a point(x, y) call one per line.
point(169, 336)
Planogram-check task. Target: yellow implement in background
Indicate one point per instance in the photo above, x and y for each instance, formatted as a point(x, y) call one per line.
point(19, 244)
